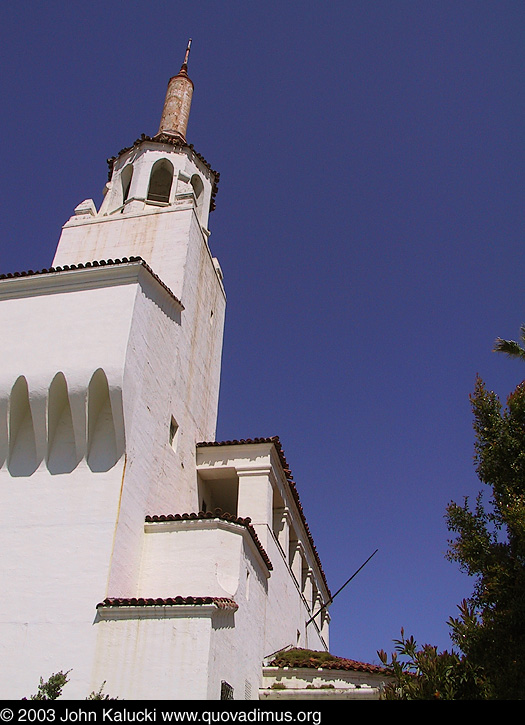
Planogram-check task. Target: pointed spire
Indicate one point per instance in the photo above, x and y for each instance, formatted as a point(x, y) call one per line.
point(176, 111)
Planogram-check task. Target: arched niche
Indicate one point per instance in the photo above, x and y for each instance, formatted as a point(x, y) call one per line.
point(102, 448)
point(61, 443)
point(160, 182)
point(22, 453)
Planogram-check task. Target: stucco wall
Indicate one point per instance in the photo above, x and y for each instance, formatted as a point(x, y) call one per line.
point(160, 655)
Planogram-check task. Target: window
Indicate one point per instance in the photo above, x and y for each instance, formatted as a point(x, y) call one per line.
point(198, 186)
point(226, 691)
point(219, 493)
point(160, 182)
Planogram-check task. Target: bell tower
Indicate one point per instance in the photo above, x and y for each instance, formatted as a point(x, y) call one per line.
point(137, 549)
point(159, 194)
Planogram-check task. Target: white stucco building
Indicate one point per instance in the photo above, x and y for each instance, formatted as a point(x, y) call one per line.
point(136, 549)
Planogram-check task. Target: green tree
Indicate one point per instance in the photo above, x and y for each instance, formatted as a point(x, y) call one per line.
point(490, 545)
point(426, 674)
point(511, 347)
point(52, 688)
point(99, 695)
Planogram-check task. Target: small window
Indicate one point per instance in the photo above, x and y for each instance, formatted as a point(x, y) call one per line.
point(160, 182)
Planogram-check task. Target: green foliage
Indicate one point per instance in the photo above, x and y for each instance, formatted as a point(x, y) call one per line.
point(490, 545)
point(297, 657)
point(511, 347)
point(51, 689)
point(99, 695)
point(425, 674)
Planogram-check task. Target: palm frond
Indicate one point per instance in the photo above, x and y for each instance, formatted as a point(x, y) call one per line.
point(509, 347)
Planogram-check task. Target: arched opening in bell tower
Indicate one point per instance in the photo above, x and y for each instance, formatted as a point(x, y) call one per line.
point(125, 178)
point(160, 182)
point(198, 190)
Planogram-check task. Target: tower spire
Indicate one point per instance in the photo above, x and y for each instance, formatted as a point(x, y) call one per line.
point(177, 104)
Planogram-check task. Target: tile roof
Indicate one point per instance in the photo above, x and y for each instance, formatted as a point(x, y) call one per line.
point(178, 142)
point(297, 658)
point(293, 488)
point(223, 516)
point(91, 265)
point(219, 602)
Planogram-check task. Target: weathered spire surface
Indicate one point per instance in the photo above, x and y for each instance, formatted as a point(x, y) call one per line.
point(176, 111)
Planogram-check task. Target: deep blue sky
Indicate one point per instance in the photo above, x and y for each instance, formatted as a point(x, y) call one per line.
point(369, 224)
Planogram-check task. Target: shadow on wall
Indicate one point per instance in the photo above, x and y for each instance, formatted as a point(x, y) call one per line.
point(61, 427)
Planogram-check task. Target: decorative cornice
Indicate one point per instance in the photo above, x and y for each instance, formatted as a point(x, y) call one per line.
point(217, 514)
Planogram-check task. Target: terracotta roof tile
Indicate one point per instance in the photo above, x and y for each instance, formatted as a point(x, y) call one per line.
point(287, 472)
point(223, 516)
point(298, 659)
point(89, 265)
point(219, 602)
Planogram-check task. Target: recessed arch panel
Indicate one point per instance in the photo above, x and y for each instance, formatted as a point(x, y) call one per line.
point(22, 455)
point(102, 449)
point(61, 444)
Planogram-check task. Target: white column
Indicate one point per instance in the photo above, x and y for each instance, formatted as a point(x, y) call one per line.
point(255, 500)
point(296, 561)
point(281, 528)
point(308, 588)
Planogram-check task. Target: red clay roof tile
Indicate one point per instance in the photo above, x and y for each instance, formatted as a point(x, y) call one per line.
point(220, 602)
